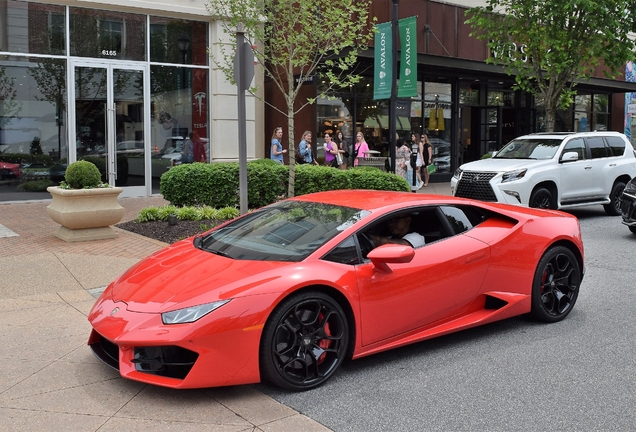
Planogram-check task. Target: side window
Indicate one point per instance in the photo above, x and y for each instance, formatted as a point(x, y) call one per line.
point(575, 145)
point(463, 218)
point(616, 145)
point(345, 253)
point(597, 147)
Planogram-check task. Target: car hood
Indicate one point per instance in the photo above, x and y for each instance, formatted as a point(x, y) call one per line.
point(501, 165)
point(182, 276)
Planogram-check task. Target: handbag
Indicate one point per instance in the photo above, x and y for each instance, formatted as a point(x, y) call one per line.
point(339, 159)
point(300, 159)
point(431, 168)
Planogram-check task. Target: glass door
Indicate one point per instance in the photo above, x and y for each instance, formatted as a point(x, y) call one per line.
point(110, 121)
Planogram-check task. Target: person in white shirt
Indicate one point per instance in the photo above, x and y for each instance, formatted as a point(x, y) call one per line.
point(400, 228)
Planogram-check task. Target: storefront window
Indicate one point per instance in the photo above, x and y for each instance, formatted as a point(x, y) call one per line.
point(601, 112)
point(468, 95)
point(178, 41)
point(107, 35)
point(33, 141)
point(179, 112)
point(582, 113)
point(333, 117)
point(437, 121)
point(32, 28)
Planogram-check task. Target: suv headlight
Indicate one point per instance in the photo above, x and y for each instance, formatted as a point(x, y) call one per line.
point(190, 314)
point(458, 173)
point(513, 175)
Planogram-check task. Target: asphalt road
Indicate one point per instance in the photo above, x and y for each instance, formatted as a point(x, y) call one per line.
point(579, 374)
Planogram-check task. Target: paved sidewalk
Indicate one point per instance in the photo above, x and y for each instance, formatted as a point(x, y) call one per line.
point(51, 381)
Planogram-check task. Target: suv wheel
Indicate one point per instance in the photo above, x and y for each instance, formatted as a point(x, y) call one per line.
point(542, 198)
point(616, 199)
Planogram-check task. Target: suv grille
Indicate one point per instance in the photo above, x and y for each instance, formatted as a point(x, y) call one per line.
point(476, 185)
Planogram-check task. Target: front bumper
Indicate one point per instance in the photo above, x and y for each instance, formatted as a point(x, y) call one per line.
point(217, 350)
point(487, 186)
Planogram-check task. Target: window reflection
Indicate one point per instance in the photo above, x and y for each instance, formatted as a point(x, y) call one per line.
point(33, 141)
point(33, 27)
point(107, 35)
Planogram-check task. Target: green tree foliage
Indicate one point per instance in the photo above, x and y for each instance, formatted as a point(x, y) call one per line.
point(549, 45)
point(297, 38)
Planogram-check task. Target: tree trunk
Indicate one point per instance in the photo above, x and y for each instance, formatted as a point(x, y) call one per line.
point(550, 117)
point(292, 151)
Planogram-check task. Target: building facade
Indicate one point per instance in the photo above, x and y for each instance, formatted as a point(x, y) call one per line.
point(123, 84)
point(467, 108)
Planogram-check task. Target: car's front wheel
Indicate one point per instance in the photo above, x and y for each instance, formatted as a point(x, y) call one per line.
point(616, 199)
point(556, 284)
point(632, 229)
point(304, 341)
point(542, 198)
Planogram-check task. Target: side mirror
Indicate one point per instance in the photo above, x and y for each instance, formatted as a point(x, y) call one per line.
point(390, 254)
point(570, 157)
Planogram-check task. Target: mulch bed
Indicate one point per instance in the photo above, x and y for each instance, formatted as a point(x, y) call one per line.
point(164, 232)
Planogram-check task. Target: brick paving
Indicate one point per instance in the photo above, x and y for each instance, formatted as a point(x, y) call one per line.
point(36, 230)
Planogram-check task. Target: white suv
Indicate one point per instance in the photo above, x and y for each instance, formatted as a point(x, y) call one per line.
point(553, 170)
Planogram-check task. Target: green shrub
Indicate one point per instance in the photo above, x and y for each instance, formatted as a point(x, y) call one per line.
point(82, 175)
point(217, 185)
point(149, 214)
point(375, 179)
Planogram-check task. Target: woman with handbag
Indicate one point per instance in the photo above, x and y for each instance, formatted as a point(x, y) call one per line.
point(344, 149)
point(427, 153)
point(331, 152)
point(361, 149)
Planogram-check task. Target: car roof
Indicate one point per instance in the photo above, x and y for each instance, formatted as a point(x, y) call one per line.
point(374, 200)
point(560, 135)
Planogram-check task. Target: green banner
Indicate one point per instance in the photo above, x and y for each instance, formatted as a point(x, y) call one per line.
point(407, 86)
point(383, 64)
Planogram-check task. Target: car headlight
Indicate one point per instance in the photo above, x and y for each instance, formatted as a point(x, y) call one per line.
point(513, 175)
point(190, 314)
point(457, 174)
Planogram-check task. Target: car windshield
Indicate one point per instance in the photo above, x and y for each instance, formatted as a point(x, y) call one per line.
point(530, 148)
point(286, 231)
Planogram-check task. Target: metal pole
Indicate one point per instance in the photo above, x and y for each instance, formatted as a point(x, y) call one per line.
point(242, 139)
point(393, 100)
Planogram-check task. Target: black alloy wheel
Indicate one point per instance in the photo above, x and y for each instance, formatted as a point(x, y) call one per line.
point(542, 198)
point(304, 341)
point(556, 284)
point(616, 199)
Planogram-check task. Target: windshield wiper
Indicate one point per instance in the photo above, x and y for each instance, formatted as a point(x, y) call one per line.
point(218, 252)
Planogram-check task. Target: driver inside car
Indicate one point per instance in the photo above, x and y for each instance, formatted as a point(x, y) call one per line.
point(400, 233)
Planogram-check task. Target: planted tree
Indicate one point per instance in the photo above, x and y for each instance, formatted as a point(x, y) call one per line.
point(296, 40)
point(550, 45)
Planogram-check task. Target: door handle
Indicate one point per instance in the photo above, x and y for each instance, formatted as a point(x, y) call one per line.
point(475, 257)
point(588, 167)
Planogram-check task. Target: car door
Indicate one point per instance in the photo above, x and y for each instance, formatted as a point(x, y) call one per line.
point(441, 280)
point(576, 176)
point(601, 159)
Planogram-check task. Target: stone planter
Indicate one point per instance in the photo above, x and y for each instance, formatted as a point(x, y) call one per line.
point(85, 214)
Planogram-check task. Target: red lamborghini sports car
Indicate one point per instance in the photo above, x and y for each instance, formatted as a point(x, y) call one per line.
point(287, 292)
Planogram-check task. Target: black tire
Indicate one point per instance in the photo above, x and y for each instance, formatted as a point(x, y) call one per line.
point(304, 341)
point(632, 229)
point(555, 287)
point(616, 198)
point(542, 198)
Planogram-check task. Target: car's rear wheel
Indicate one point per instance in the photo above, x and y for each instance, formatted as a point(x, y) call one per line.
point(616, 199)
point(556, 284)
point(542, 198)
point(304, 341)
